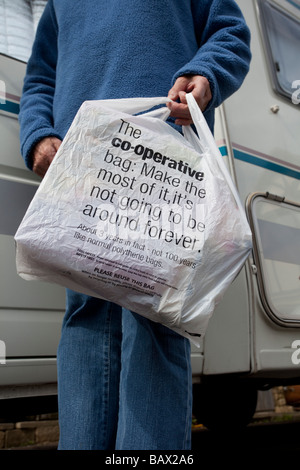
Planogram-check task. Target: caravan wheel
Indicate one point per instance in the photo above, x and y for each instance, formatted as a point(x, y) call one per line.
point(219, 404)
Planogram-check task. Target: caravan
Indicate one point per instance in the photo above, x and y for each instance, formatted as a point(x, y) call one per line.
point(253, 339)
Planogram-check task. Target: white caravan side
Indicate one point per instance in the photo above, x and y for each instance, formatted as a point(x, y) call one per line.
point(30, 313)
point(253, 339)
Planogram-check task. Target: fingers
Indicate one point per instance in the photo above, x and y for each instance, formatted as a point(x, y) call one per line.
point(43, 154)
point(180, 112)
point(195, 84)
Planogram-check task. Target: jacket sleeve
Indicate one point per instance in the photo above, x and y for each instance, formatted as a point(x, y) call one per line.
point(36, 117)
point(224, 48)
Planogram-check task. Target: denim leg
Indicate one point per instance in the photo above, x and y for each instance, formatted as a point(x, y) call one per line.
point(88, 373)
point(155, 410)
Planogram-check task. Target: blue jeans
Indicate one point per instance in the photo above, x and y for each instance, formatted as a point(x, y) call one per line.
point(124, 382)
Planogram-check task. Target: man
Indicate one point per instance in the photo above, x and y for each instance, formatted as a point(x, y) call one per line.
point(124, 381)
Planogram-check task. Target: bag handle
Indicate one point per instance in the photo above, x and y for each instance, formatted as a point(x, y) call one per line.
point(207, 142)
point(134, 105)
point(138, 105)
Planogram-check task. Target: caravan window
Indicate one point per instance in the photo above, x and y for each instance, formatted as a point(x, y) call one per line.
point(276, 229)
point(281, 32)
point(18, 22)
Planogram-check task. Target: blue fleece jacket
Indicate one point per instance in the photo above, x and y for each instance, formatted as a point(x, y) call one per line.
point(101, 49)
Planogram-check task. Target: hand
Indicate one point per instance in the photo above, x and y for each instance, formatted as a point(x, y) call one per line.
point(195, 84)
point(43, 154)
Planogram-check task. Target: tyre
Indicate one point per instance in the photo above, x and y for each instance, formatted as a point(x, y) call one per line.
point(229, 403)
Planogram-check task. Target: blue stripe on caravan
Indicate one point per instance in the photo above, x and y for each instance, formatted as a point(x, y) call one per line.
point(223, 150)
point(296, 5)
point(253, 160)
point(245, 157)
point(10, 107)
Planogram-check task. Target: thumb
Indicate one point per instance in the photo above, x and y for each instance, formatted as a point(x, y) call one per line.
point(56, 143)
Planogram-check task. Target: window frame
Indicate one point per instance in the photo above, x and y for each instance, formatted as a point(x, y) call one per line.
point(259, 261)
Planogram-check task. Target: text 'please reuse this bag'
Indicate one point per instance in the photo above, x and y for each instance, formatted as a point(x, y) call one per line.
point(134, 212)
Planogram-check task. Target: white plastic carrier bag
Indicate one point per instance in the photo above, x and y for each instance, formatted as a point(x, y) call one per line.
point(134, 212)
